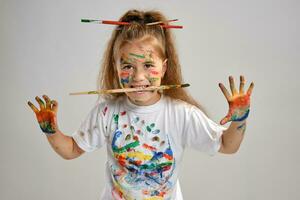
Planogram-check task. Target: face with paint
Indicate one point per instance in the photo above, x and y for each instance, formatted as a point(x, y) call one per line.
point(141, 65)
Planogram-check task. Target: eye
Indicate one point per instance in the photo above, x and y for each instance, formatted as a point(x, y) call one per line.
point(148, 65)
point(126, 67)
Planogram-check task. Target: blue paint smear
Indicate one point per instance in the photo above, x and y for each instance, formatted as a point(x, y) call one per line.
point(243, 117)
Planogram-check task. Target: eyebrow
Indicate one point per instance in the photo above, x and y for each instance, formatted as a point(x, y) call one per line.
point(125, 61)
point(149, 61)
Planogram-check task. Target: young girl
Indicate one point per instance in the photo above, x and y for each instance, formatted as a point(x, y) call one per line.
point(145, 132)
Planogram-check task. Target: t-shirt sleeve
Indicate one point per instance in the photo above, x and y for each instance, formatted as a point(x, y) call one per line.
point(91, 134)
point(202, 133)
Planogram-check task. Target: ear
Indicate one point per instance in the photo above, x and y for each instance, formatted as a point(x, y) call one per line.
point(164, 67)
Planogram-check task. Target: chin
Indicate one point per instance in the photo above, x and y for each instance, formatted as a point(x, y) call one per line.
point(144, 98)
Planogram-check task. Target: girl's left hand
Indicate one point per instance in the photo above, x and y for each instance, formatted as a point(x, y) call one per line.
point(239, 102)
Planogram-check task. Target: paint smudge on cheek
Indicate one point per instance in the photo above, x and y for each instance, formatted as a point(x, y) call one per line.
point(154, 76)
point(125, 78)
point(154, 73)
point(153, 80)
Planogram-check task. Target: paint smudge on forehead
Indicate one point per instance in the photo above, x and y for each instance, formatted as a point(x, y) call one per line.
point(137, 55)
point(145, 56)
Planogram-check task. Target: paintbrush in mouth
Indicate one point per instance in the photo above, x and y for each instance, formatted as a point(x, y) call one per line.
point(138, 89)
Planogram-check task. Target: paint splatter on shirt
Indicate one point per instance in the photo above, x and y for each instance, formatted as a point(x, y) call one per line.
point(145, 145)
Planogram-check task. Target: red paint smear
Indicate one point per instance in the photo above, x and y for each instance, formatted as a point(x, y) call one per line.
point(136, 162)
point(121, 160)
point(123, 113)
point(166, 168)
point(120, 194)
point(241, 101)
point(167, 156)
point(104, 110)
point(124, 74)
point(136, 137)
point(154, 72)
point(162, 194)
point(153, 173)
point(46, 116)
point(146, 192)
point(149, 147)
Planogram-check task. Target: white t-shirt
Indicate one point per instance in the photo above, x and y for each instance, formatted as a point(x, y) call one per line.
point(145, 145)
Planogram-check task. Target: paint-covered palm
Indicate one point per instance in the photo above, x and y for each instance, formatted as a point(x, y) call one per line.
point(239, 102)
point(46, 116)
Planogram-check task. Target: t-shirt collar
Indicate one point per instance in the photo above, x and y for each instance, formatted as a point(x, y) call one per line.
point(145, 109)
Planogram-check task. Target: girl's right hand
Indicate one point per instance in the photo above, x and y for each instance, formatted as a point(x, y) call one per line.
point(46, 116)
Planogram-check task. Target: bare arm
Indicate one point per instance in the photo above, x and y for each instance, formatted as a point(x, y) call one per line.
point(233, 137)
point(62, 144)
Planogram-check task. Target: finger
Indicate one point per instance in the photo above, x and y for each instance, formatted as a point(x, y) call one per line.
point(225, 120)
point(40, 101)
point(249, 91)
point(54, 105)
point(225, 91)
point(242, 84)
point(232, 86)
point(48, 101)
point(35, 110)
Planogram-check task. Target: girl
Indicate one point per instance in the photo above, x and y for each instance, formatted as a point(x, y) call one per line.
point(145, 132)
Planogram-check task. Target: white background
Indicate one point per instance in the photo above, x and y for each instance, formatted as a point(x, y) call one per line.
point(44, 49)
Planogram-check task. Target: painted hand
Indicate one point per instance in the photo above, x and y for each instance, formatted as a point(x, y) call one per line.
point(46, 116)
point(239, 102)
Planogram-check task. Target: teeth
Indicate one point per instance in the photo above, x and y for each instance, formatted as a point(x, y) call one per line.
point(140, 87)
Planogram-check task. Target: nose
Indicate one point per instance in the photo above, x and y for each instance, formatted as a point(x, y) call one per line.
point(139, 74)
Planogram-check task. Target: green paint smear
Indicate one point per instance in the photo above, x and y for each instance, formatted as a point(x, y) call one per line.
point(152, 80)
point(148, 129)
point(123, 149)
point(47, 128)
point(116, 118)
point(136, 55)
point(154, 166)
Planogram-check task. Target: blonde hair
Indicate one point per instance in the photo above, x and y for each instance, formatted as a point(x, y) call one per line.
point(108, 77)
